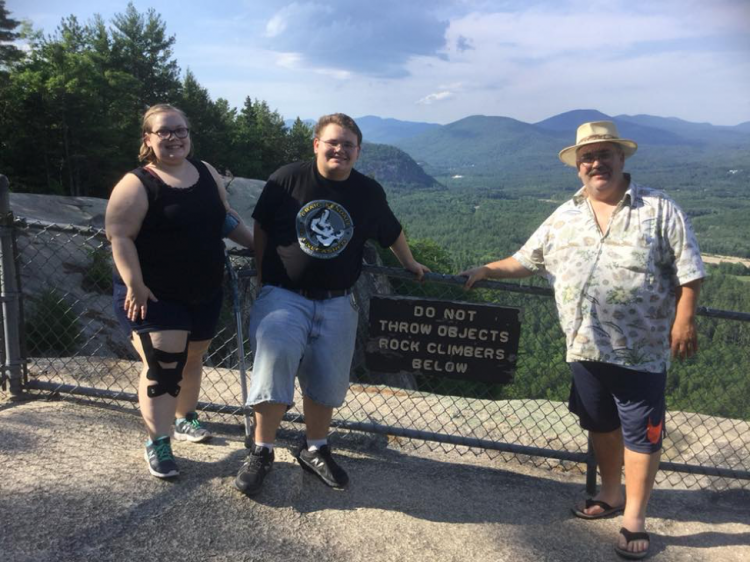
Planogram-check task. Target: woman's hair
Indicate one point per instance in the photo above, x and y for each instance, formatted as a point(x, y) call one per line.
point(146, 153)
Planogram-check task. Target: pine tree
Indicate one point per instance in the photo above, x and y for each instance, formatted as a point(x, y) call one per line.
point(141, 47)
point(9, 53)
point(212, 123)
point(247, 143)
point(299, 145)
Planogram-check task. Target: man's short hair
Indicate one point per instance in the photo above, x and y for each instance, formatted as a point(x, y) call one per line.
point(341, 120)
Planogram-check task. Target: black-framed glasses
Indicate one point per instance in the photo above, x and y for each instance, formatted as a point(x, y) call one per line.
point(346, 145)
point(179, 132)
point(597, 155)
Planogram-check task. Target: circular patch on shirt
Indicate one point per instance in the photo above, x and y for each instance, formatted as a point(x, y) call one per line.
point(324, 228)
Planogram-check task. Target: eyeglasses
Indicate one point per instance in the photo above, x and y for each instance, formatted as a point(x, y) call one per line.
point(179, 132)
point(338, 144)
point(590, 157)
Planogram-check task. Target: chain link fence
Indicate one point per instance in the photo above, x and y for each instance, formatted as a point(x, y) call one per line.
point(72, 345)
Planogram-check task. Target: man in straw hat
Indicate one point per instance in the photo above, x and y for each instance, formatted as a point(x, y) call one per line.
point(626, 270)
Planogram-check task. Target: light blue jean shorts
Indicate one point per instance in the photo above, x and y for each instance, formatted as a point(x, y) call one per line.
point(312, 339)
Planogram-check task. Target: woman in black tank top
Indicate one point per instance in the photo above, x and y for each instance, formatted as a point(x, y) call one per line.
point(166, 221)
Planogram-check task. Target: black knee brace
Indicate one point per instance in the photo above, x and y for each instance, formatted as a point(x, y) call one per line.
point(167, 380)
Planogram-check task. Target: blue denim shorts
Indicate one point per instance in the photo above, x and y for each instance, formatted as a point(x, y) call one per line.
point(199, 319)
point(290, 336)
point(606, 397)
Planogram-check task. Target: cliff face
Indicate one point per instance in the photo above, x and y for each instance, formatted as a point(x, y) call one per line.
point(393, 167)
point(89, 211)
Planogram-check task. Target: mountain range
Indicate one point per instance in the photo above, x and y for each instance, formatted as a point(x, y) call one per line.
point(496, 171)
point(518, 152)
point(649, 129)
point(501, 152)
point(381, 130)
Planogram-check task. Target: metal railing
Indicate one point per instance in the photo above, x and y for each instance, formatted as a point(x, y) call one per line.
point(71, 344)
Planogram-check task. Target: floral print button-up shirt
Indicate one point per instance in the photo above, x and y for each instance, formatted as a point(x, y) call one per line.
point(615, 290)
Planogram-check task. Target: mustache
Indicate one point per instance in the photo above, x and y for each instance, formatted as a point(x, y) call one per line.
point(599, 170)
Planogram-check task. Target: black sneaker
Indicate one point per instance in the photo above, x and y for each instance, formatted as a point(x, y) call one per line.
point(160, 459)
point(321, 464)
point(257, 464)
point(191, 429)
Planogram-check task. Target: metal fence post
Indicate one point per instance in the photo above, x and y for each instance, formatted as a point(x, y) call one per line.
point(590, 469)
point(9, 295)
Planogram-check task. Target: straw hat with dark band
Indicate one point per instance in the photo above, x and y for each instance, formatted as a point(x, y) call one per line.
point(596, 131)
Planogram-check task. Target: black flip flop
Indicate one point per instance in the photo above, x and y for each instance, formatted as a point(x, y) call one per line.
point(608, 510)
point(631, 536)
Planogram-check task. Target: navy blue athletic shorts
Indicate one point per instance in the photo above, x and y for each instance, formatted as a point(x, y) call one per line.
point(199, 319)
point(606, 397)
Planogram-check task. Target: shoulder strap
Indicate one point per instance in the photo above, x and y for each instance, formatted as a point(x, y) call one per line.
point(203, 171)
point(151, 182)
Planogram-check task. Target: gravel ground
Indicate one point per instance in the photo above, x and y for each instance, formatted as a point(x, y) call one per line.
point(74, 486)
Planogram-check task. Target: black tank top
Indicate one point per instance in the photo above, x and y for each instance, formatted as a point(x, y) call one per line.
point(180, 246)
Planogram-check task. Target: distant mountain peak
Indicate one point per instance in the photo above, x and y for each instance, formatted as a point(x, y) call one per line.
point(386, 130)
point(392, 166)
point(570, 120)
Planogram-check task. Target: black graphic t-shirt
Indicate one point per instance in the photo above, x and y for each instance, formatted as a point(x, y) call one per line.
point(317, 228)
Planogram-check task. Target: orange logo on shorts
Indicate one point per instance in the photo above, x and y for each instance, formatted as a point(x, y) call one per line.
point(653, 432)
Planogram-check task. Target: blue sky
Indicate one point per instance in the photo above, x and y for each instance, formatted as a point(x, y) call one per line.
point(442, 60)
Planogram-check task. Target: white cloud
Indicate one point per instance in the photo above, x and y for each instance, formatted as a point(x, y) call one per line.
point(276, 25)
point(437, 96)
point(366, 38)
point(334, 73)
point(289, 60)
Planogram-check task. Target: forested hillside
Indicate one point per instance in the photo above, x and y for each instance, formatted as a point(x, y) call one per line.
point(392, 166)
point(70, 108)
point(483, 160)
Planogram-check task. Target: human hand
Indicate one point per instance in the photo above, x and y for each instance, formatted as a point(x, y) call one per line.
point(683, 339)
point(475, 274)
point(136, 302)
point(417, 269)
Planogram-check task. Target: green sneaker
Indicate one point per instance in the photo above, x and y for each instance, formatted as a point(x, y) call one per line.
point(160, 459)
point(190, 429)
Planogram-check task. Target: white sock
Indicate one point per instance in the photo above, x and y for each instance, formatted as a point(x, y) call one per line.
point(268, 446)
point(315, 444)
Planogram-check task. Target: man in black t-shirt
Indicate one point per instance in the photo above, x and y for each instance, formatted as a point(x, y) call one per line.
point(311, 224)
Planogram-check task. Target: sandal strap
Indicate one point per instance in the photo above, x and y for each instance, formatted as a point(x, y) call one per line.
point(631, 536)
point(590, 502)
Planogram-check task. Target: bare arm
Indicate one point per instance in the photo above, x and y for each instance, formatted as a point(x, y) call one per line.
point(401, 250)
point(242, 234)
point(509, 268)
point(683, 338)
point(124, 216)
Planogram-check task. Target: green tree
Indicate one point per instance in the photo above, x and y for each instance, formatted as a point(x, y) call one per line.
point(9, 53)
point(271, 133)
point(213, 124)
point(246, 143)
point(299, 144)
point(48, 109)
point(74, 104)
point(142, 48)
